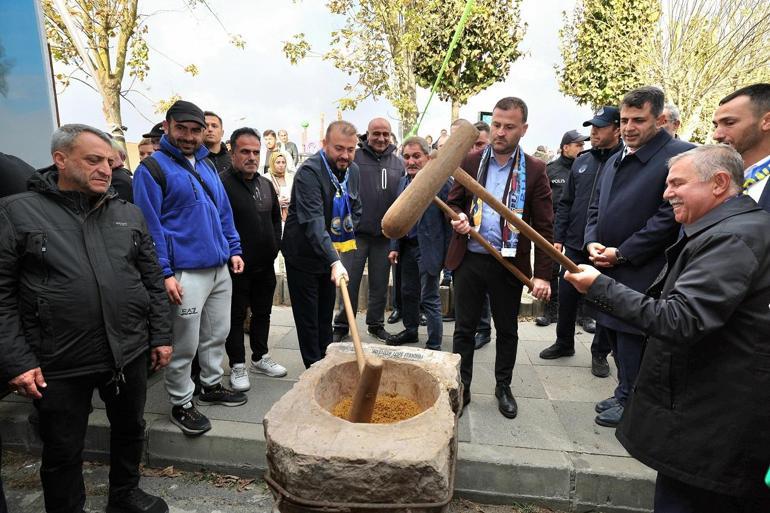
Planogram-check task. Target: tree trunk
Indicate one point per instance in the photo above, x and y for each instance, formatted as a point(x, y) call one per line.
point(455, 110)
point(111, 111)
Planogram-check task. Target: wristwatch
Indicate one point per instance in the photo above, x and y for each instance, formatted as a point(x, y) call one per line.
point(620, 258)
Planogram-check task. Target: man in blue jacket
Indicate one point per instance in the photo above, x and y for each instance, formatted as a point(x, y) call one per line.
point(190, 219)
point(629, 227)
point(422, 253)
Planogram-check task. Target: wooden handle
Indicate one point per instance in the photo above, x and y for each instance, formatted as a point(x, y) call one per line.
point(351, 315)
point(476, 188)
point(489, 247)
point(366, 392)
point(410, 204)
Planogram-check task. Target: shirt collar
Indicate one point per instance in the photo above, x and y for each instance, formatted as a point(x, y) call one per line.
point(492, 158)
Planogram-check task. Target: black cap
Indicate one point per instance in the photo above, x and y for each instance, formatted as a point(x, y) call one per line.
point(183, 111)
point(572, 136)
point(604, 116)
point(157, 131)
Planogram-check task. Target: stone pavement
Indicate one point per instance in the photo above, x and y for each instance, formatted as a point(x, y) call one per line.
point(552, 454)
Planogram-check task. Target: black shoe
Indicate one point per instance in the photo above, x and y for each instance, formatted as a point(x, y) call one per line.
point(402, 337)
point(189, 419)
point(606, 404)
point(136, 501)
point(222, 396)
point(556, 350)
point(481, 339)
point(611, 417)
point(423, 320)
point(448, 317)
point(395, 316)
point(339, 334)
point(549, 314)
point(379, 332)
point(543, 320)
point(466, 400)
point(589, 325)
point(600, 367)
point(505, 401)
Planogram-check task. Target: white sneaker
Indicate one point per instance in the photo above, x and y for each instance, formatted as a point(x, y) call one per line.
point(267, 366)
point(239, 378)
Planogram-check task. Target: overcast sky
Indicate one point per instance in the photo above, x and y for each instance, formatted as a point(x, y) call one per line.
point(258, 87)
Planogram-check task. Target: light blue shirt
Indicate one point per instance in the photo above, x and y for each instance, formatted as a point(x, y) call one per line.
point(497, 177)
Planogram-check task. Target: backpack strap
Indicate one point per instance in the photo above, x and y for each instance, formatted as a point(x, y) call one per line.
point(156, 172)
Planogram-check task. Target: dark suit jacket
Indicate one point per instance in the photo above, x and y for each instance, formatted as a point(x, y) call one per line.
point(628, 212)
point(764, 199)
point(306, 242)
point(433, 233)
point(538, 212)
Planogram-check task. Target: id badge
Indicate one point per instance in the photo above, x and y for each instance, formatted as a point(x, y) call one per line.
point(508, 252)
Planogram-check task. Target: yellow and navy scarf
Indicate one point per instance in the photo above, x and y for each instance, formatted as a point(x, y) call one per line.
point(513, 198)
point(342, 234)
point(756, 175)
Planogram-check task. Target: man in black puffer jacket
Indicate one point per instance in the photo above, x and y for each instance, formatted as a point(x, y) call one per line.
point(82, 306)
point(381, 168)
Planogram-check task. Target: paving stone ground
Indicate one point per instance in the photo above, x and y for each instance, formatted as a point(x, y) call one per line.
point(552, 454)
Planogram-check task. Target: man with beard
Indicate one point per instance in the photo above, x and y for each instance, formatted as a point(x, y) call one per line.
point(629, 227)
point(380, 170)
point(324, 211)
point(212, 138)
point(521, 183)
point(569, 229)
point(190, 218)
point(743, 121)
point(421, 253)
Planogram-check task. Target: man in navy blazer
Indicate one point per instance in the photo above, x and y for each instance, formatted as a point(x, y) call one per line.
point(743, 121)
point(421, 253)
point(630, 226)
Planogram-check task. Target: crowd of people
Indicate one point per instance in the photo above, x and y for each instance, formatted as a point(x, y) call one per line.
point(106, 275)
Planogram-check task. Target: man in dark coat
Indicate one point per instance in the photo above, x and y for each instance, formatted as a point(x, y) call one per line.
point(572, 143)
point(508, 173)
point(313, 266)
point(257, 217)
point(421, 254)
point(82, 307)
point(569, 229)
point(629, 226)
point(743, 121)
point(380, 170)
point(14, 174)
point(212, 139)
point(699, 411)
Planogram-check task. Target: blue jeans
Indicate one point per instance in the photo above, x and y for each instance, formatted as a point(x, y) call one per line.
point(420, 289)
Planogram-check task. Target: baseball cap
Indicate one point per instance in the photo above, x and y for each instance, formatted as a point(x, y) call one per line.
point(572, 136)
point(604, 116)
point(156, 131)
point(182, 111)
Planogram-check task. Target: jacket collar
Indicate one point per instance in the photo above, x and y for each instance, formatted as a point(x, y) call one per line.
point(165, 145)
point(737, 205)
point(652, 146)
point(46, 181)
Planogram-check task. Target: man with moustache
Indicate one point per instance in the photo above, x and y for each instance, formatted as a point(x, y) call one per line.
point(521, 183)
point(380, 170)
point(257, 216)
point(421, 253)
point(190, 219)
point(698, 412)
point(629, 227)
point(323, 214)
point(569, 229)
point(212, 139)
point(270, 139)
point(743, 121)
point(82, 308)
point(288, 147)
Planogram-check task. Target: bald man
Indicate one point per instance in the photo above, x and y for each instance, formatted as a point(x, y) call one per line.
point(380, 169)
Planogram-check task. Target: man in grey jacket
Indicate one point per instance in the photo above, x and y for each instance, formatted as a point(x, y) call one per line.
point(380, 169)
point(698, 411)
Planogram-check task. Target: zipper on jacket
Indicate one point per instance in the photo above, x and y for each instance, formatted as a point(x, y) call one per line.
point(195, 189)
point(43, 251)
point(384, 178)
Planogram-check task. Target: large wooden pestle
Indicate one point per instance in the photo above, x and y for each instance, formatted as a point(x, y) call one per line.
point(410, 205)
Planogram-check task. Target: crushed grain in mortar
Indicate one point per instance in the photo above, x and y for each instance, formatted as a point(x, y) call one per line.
point(388, 408)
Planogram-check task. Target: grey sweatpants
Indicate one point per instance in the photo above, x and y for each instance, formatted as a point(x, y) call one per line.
point(201, 323)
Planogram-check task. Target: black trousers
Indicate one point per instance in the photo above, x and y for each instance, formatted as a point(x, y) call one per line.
point(312, 305)
point(253, 290)
point(674, 496)
point(477, 276)
point(64, 410)
point(3, 506)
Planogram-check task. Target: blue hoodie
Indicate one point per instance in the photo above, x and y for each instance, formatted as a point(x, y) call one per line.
point(190, 232)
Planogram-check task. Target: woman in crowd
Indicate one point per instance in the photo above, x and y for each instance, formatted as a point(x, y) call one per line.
point(281, 180)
